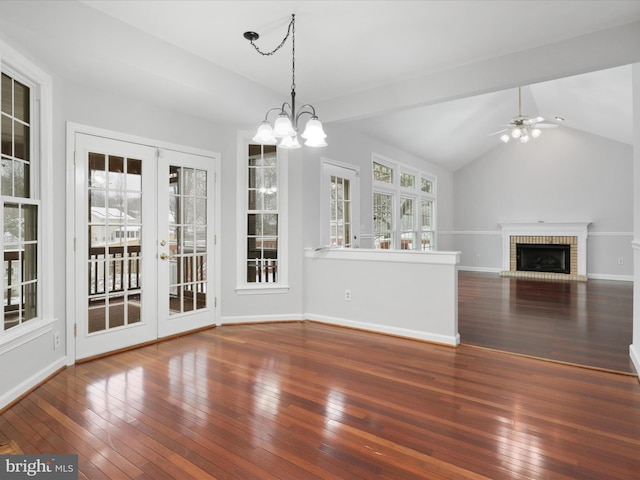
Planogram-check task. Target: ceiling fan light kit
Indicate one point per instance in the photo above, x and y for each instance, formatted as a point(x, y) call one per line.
point(523, 128)
point(285, 127)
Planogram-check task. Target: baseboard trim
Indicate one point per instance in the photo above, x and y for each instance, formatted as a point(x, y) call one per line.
point(451, 341)
point(479, 269)
point(25, 387)
point(241, 319)
point(634, 353)
point(617, 278)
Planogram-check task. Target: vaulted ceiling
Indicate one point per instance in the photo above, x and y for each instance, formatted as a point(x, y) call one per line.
point(435, 78)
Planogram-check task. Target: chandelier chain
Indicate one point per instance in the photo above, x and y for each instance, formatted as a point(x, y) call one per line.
point(291, 31)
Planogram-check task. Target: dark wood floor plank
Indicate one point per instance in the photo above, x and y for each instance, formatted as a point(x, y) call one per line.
point(583, 323)
point(310, 401)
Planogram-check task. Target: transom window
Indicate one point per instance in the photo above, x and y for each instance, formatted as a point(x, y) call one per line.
point(403, 207)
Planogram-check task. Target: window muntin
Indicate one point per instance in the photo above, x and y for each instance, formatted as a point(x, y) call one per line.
point(409, 225)
point(20, 214)
point(263, 218)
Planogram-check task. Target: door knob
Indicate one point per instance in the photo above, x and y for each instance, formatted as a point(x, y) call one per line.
point(163, 256)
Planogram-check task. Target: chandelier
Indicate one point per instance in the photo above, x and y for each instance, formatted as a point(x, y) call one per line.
point(285, 127)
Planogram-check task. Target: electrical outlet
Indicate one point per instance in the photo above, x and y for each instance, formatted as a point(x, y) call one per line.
point(56, 339)
point(620, 261)
point(347, 295)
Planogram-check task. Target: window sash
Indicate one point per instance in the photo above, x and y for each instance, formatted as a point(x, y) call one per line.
point(20, 227)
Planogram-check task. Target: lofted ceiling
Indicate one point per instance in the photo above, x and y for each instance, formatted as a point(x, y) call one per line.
point(435, 78)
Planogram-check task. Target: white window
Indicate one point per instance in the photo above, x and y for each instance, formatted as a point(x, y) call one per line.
point(340, 209)
point(262, 232)
point(25, 168)
point(403, 207)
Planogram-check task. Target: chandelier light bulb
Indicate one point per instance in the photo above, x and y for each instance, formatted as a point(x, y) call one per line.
point(516, 133)
point(505, 137)
point(536, 132)
point(524, 138)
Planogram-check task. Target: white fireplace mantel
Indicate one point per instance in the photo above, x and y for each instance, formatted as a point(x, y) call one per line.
point(573, 229)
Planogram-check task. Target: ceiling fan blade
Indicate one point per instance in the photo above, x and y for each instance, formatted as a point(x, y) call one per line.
point(537, 120)
point(547, 125)
point(498, 132)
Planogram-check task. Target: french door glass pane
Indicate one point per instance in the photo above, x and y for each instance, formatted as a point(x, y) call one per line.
point(115, 230)
point(187, 239)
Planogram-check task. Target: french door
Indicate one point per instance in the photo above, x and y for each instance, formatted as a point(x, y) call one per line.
point(143, 244)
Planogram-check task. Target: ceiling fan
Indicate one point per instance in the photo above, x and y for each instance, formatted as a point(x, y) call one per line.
point(523, 128)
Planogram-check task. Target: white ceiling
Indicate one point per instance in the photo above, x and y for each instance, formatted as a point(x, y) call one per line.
point(377, 66)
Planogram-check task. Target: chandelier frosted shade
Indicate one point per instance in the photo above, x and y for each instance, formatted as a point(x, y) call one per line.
point(289, 143)
point(282, 127)
point(264, 135)
point(313, 131)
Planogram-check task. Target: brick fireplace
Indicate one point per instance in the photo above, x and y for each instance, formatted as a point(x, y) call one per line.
point(560, 237)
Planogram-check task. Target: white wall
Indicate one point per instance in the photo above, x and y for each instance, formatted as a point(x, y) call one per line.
point(565, 175)
point(635, 346)
point(411, 294)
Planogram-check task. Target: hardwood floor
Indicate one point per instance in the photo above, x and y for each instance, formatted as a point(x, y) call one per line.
point(585, 323)
point(310, 401)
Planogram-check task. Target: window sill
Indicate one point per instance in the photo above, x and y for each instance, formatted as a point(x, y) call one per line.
point(261, 289)
point(18, 336)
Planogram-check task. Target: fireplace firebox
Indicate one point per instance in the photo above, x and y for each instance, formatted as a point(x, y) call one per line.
point(553, 258)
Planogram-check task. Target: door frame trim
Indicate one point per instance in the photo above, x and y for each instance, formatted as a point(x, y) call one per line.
point(72, 129)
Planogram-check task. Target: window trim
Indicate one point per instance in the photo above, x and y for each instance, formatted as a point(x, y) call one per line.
point(22, 69)
point(282, 284)
point(398, 192)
